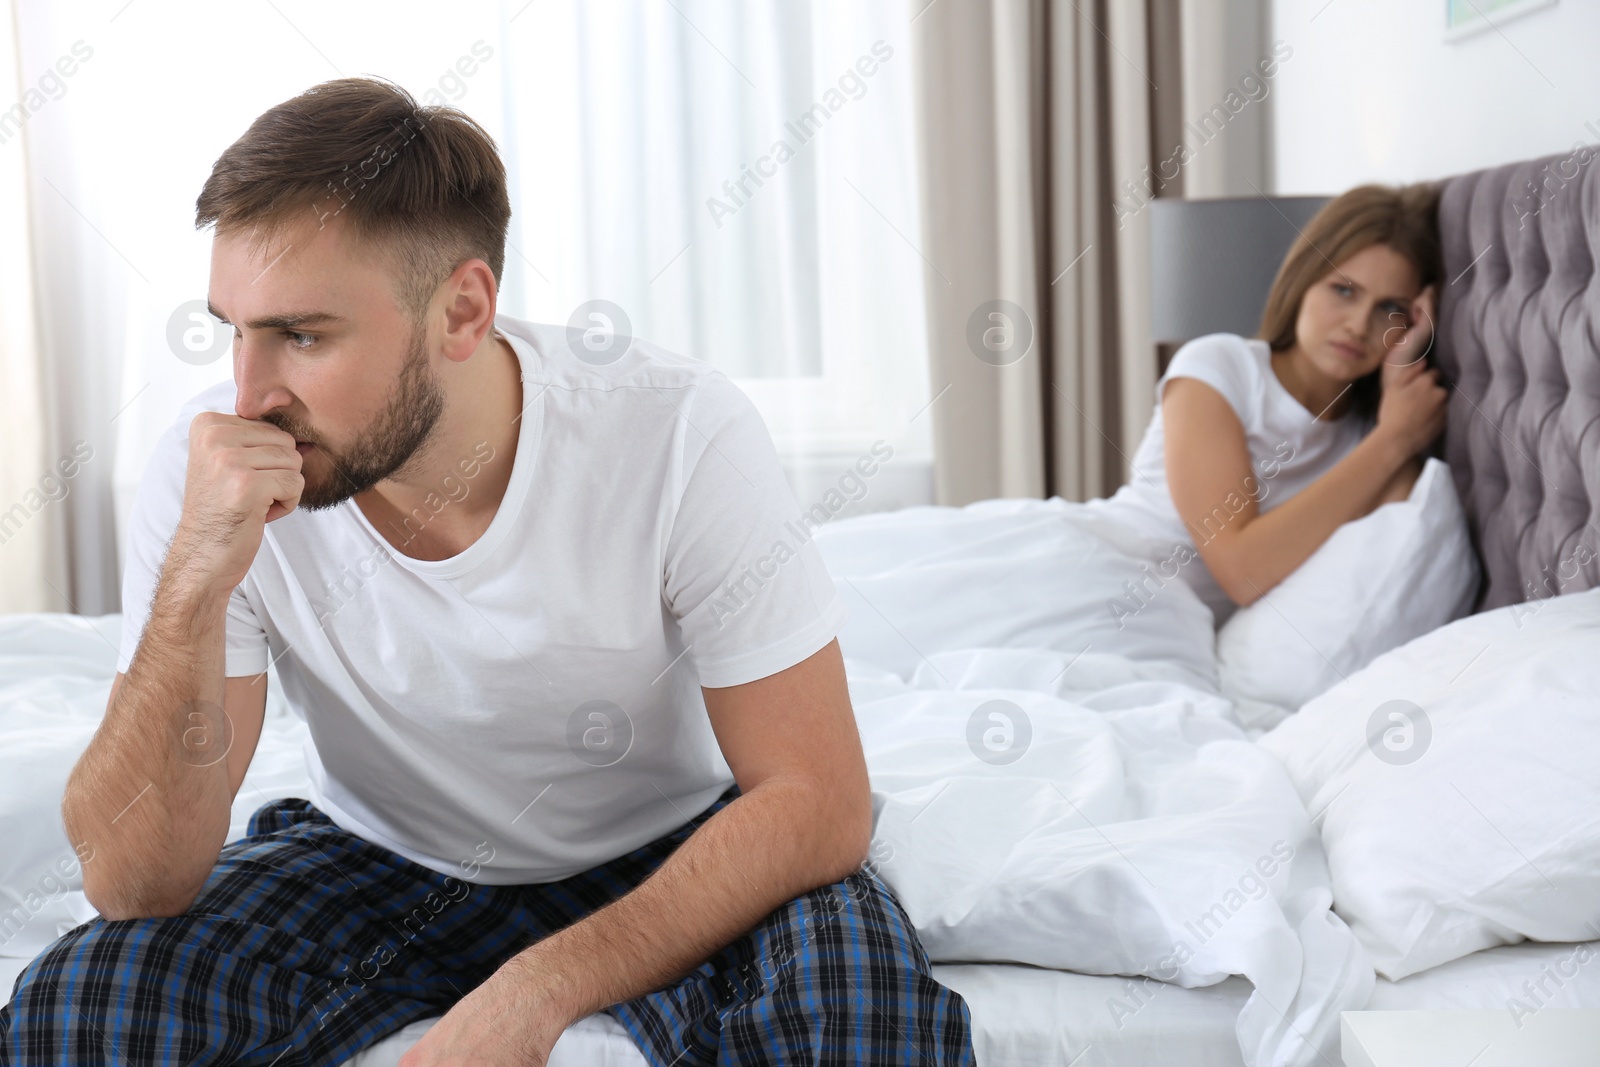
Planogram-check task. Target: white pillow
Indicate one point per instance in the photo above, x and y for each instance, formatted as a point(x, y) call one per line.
point(1456, 782)
point(1015, 573)
point(1405, 569)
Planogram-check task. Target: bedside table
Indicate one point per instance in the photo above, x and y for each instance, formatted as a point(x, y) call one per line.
point(1552, 1037)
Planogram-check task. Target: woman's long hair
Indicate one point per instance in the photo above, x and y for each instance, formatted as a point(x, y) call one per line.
point(1403, 217)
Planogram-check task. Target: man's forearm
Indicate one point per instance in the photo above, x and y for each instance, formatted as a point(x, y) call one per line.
point(154, 818)
point(760, 852)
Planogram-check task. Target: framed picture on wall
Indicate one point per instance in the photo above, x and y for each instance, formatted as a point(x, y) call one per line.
point(1467, 18)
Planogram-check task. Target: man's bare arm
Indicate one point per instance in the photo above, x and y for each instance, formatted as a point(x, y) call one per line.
point(149, 797)
point(151, 794)
point(803, 820)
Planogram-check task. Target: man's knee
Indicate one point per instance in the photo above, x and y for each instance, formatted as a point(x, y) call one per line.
point(81, 953)
point(847, 930)
point(842, 965)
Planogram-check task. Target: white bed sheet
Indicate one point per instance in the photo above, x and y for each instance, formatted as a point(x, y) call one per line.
point(1024, 1015)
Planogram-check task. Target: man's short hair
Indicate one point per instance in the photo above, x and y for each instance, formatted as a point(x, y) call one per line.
point(424, 185)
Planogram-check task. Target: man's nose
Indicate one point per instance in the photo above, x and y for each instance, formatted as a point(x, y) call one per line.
point(258, 390)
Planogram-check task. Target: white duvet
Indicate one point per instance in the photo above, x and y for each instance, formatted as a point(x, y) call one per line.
point(1098, 811)
point(1056, 780)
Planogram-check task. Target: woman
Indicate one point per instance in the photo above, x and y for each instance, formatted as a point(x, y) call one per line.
point(1268, 445)
point(1261, 448)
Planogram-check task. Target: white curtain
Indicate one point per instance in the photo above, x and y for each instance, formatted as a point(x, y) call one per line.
point(1032, 112)
point(32, 488)
point(1038, 119)
point(641, 137)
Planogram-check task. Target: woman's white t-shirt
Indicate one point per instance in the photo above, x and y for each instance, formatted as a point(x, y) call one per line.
point(1289, 449)
point(530, 707)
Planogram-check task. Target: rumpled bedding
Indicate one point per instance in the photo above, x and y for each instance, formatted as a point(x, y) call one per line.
point(1054, 789)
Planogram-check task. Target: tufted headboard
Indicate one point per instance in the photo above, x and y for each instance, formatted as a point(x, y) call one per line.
point(1518, 341)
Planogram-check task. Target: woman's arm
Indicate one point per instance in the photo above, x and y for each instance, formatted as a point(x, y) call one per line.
point(1216, 489)
point(1400, 486)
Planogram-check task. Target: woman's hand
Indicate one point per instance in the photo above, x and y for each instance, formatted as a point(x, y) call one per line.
point(1412, 409)
point(1416, 336)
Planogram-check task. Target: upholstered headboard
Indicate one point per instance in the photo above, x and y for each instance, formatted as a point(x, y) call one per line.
point(1519, 343)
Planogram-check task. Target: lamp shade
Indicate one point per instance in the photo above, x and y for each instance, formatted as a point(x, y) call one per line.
point(1213, 261)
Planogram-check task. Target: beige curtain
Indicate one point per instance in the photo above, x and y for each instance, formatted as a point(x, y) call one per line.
point(1033, 118)
point(32, 524)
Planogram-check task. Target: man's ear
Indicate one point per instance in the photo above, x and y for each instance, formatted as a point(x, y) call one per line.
point(470, 296)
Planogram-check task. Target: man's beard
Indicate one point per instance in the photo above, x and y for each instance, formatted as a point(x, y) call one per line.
point(395, 437)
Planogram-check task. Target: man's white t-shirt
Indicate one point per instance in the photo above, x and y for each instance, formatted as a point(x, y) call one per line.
point(1289, 448)
point(535, 697)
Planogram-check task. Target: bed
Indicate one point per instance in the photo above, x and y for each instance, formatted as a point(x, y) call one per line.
point(1133, 714)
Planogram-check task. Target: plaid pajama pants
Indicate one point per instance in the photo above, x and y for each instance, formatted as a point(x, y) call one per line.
point(308, 944)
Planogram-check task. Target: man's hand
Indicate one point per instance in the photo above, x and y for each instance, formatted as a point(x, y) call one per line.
point(242, 475)
point(508, 1021)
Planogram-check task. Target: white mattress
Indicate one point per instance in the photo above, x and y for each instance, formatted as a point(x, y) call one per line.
point(1027, 1016)
point(1023, 1015)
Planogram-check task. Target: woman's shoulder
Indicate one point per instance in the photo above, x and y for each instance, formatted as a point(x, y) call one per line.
point(1228, 351)
point(1232, 365)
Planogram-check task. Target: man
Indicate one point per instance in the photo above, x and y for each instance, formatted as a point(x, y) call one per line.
point(580, 736)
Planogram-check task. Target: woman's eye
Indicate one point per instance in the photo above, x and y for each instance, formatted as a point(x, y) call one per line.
point(1341, 288)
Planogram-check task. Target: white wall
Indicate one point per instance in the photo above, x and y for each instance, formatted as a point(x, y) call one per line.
point(1374, 92)
point(1225, 44)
